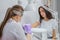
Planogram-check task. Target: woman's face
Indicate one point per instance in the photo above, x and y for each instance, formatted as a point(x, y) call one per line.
point(42, 12)
point(18, 15)
point(18, 18)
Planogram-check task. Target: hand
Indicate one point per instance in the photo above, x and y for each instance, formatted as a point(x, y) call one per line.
point(28, 37)
point(53, 38)
point(27, 28)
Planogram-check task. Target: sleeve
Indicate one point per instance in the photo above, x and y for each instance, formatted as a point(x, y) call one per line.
point(55, 24)
point(19, 32)
point(15, 32)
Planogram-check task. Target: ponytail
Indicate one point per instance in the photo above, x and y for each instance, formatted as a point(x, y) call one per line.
point(4, 21)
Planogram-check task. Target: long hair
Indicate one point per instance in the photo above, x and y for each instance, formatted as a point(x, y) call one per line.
point(48, 14)
point(9, 15)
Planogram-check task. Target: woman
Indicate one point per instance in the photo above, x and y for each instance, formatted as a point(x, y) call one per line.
point(46, 21)
point(11, 28)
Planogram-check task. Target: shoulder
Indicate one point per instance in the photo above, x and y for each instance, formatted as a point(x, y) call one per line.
point(11, 26)
point(53, 20)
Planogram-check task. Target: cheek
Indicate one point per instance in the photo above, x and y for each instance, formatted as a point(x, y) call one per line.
point(43, 14)
point(18, 17)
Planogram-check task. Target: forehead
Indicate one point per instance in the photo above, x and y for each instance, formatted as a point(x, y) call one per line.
point(18, 9)
point(41, 9)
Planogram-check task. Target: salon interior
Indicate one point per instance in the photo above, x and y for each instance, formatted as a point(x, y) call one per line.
point(31, 13)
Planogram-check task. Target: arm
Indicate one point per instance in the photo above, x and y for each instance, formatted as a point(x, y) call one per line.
point(55, 25)
point(34, 25)
point(28, 36)
point(27, 29)
point(22, 35)
point(13, 31)
point(54, 34)
point(18, 32)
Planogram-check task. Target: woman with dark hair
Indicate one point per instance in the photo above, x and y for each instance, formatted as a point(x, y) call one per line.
point(47, 22)
point(44, 14)
point(11, 28)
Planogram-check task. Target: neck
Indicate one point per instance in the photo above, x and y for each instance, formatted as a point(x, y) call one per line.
point(46, 19)
point(15, 19)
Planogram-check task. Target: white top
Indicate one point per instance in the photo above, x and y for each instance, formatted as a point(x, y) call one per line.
point(13, 31)
point(49, 25)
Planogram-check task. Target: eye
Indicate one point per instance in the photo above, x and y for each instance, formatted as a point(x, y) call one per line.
point(43, 11)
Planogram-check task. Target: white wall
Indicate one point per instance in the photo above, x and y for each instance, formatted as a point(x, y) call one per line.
point(4, 4)
point(30, 17)
point(58, 9)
